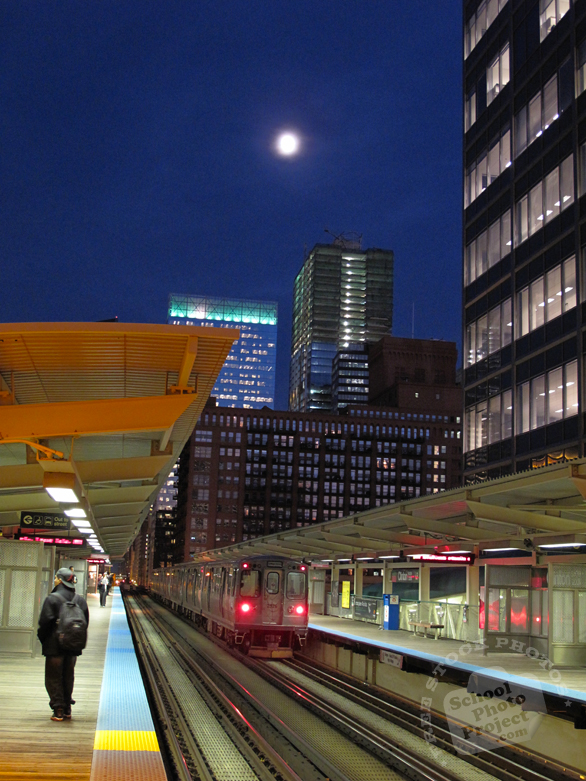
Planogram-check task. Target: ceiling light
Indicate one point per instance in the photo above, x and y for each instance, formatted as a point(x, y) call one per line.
point(62, 487)
point(81, 524)
point(563, 545)
point(497, 550)
point(75, 512)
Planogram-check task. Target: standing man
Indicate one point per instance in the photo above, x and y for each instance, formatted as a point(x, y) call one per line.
point(103, 587)
point(59, 652)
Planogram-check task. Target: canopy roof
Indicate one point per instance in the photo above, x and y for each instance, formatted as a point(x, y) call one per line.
point(111, 403)
point(544, 506)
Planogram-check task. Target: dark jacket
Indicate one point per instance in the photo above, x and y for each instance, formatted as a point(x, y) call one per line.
point(48, 620)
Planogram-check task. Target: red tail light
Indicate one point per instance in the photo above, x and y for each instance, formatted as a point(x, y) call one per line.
point(300, 610)
point(302, 569)
point(245, 607)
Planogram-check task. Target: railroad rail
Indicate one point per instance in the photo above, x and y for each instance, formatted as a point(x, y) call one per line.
point(387, 727)
point(296, 733)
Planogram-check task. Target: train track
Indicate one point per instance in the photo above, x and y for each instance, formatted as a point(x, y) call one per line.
point(509, 763)
point(268, 726)
point(386, 727)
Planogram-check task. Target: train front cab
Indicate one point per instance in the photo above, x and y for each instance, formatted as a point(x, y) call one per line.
point(269, 607)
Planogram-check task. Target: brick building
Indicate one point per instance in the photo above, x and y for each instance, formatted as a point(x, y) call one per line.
point(246, 473)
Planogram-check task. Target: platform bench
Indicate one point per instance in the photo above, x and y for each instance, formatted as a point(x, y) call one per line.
point(425, 626)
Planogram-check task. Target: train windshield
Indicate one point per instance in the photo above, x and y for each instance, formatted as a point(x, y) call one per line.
point(249, 583)
point(296, 585)
point(272, 584)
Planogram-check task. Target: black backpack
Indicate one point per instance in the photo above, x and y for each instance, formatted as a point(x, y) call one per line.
point(71, 626)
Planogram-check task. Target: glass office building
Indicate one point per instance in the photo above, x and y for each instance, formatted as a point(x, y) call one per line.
point(247, 378)
point(343, 296)
point(524, 233)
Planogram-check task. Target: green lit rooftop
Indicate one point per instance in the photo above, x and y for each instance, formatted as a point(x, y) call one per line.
point(225, 310)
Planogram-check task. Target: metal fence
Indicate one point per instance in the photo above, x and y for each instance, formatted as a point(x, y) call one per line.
point(460, 622)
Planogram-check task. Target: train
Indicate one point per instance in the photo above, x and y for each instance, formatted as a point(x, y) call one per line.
point(257, 604)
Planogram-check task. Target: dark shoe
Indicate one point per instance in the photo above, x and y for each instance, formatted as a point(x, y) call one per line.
point(58, 715)
point(67, 713)
point(72, 702)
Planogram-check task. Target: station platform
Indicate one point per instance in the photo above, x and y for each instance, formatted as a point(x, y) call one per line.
point(565, 683)
point(111, 734)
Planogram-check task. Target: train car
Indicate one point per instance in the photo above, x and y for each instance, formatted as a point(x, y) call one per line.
point(257, 604)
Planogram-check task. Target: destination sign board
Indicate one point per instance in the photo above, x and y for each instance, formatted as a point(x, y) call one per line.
point(52, 540)
point(35, 520)
point(460, 559)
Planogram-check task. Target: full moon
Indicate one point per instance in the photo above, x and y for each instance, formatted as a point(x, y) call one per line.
point(287, 144)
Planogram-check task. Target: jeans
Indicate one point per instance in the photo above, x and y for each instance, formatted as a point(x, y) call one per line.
point(59, 677)
point(103, 595)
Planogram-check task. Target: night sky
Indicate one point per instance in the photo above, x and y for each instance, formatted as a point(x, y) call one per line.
point(137, 153)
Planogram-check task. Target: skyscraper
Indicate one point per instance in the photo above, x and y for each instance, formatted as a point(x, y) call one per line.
point(247, 378)
point(343, 296)
point(524, 233)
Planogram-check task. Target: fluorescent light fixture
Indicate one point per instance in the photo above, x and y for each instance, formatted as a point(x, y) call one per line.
point(85, 531)
point(497, 550)
point(365, 558)
point(75, 512)
point(81, 524)
point(62, 487)
point(390, 557)
point(563, 545)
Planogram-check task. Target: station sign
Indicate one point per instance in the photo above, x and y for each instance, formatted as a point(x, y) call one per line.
point(52, 540)
point(404, 575)
point(365, 607)
point(451, 558)
point(36, 520)
point(388, 657)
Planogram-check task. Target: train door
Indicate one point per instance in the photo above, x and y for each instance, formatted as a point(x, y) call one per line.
point(272, 597)
point(207, 587)
point(222, 595)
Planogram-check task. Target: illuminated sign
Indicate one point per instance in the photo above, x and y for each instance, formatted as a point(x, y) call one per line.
point(447, 557)
point(57, 521)
point(54, 540)
point(404, 575)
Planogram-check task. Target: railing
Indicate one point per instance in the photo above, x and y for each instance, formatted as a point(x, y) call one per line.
point(460, 621)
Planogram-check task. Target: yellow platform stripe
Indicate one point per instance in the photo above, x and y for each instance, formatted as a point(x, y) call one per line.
point(122, 740)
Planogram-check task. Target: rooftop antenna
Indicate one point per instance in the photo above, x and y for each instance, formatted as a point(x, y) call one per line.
point(348, 240)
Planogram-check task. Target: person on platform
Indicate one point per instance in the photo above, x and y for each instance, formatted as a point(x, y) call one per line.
point(103, 586)
point(112, 581)
point(59, 664)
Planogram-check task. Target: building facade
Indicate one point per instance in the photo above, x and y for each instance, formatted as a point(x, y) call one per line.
point(350, 377)
point(247, 378)
point(343, 296)
point(524, 233)
point(245, 474)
